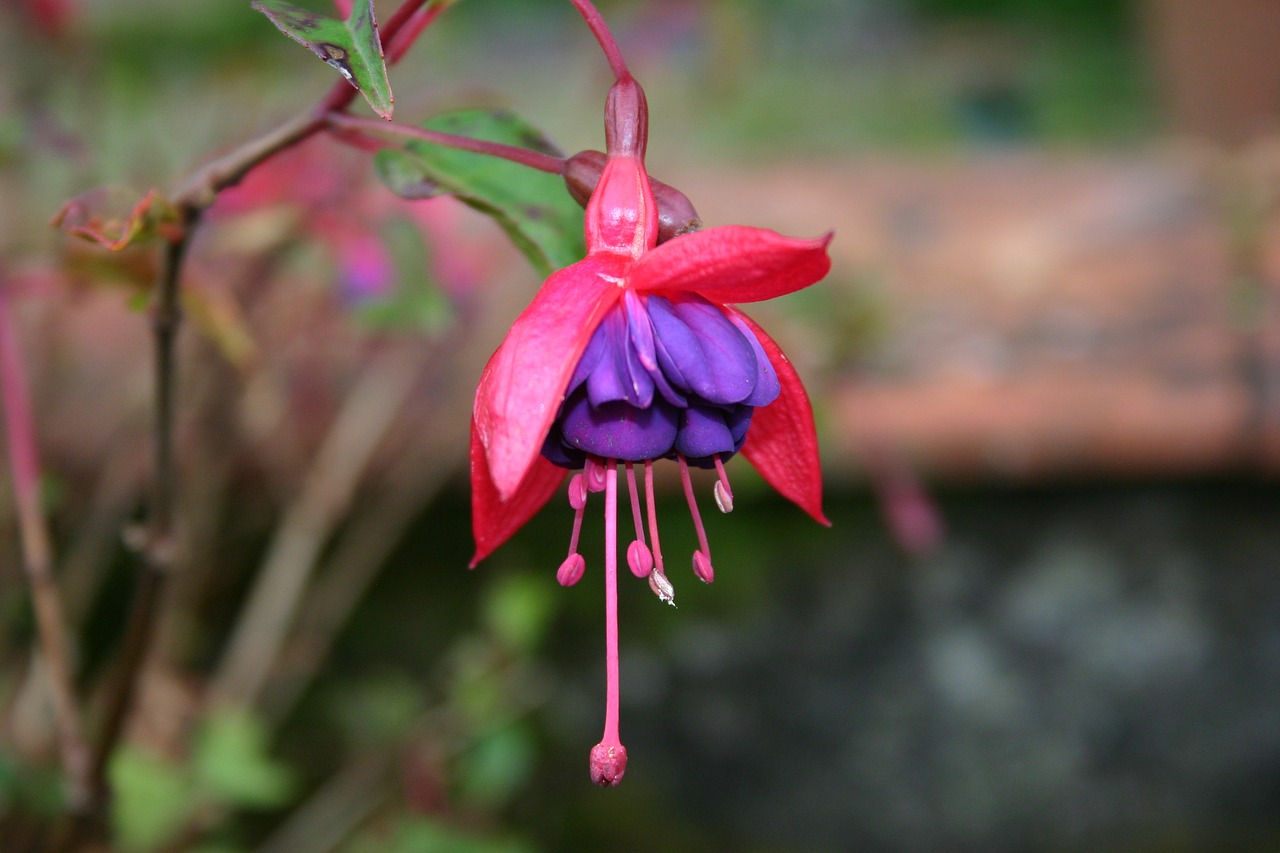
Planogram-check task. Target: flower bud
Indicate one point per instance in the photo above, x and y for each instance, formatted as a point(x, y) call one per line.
point(626, 119)
point(676, 214)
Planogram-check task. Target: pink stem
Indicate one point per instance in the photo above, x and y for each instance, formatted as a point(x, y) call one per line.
point(399, 42)
point(37, 560)
point(375, 127)
point(611, 602)
point(601, 31)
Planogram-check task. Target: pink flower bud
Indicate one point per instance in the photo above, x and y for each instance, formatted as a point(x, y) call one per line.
point(676, 214)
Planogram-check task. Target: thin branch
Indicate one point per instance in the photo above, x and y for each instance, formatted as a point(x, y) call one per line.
point(201, 188)
point(158, 547)
point(373, 127)
point(37, 561)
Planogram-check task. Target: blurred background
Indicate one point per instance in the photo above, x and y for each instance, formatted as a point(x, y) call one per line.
point(1046, 368)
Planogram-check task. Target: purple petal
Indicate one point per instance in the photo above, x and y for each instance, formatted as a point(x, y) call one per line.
point(616, 430)
point(703, 433)
point(618, 374)
point(767, 387)
point(701, 351)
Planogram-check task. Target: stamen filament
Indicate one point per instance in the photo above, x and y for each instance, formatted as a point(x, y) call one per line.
point(652, 507)
point(701, 557)
point(639, 557)
point(578, 500)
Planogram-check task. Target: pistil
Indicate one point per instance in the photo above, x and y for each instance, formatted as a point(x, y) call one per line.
point(609, 757)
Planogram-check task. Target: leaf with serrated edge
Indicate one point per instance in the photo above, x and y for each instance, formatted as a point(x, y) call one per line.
point(351, 46)
point(532, 207)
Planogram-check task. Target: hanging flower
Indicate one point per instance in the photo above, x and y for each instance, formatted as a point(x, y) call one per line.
point(635, 354)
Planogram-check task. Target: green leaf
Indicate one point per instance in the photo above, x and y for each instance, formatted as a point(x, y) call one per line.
point(152, 800)
point(230, 762)
point(429, 835)
point(351, 46)
point(532, 207)
point(497, 766)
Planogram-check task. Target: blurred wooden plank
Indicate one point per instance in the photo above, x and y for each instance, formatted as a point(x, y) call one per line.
point(1045, 316)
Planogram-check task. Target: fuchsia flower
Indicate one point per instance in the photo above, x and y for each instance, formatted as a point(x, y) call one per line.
point(635, 354)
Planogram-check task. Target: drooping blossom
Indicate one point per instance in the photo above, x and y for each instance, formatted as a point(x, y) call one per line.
point(636, 354)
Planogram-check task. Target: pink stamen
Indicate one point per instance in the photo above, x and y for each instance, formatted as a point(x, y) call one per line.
point(652, 506)
point(609, 757)
point(701, 557)
point(570, 571)
point(658, 581)
point(723, 492)
point(639, 557)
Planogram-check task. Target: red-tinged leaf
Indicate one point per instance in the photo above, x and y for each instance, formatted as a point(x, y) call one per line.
point(782, 442)
point(733, 263)
point(523, 385)
point(95, 216)
point(494, 520)
point(352, 46)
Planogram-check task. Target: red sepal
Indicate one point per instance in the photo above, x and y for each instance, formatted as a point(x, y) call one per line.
point(782, 441)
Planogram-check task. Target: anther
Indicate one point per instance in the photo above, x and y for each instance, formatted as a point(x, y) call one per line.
point(639, 559)
point(593, 472)
point(571, 570)
point(662, 587)
point(722, 491)
point(577, 491)
point(702, 567)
